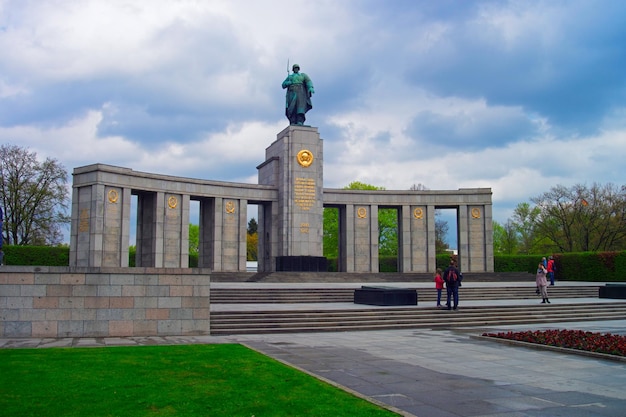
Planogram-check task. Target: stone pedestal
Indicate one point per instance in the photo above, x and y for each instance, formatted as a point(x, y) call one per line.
point(294, 164)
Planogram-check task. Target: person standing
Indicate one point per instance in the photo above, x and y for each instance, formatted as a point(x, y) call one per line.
point(439, 285)
point(550, 269)
point(542, 283)
point(298, 97)
point(451, 277)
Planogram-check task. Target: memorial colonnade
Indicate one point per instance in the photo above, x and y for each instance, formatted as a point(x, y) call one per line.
point(290, 198)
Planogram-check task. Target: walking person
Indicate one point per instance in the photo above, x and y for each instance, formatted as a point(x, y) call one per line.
point(451, 277)
point(542, 283)
point(439, 285)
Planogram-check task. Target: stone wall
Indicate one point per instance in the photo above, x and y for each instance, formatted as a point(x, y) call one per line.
point(103, 302)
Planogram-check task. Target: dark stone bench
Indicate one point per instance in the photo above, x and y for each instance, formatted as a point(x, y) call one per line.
point(613, 291)
point(385, 296)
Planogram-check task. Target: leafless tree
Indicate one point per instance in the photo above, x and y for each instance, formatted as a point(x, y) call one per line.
point(581, 218)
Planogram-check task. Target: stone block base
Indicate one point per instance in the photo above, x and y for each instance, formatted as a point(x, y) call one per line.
point(617, 291)
point(301, 263)
point(385, 296)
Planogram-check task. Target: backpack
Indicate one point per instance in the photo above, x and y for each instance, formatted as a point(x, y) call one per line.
point(452, 276)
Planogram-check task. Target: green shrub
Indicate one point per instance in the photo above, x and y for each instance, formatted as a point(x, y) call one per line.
point(132, 252)
point(332, 264)
point(591, 266)
point(388, 264)
point(516, 263)
point(586, 266)
point(36, 255)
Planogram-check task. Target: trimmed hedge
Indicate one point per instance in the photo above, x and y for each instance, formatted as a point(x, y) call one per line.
point(516, 263)
point(193, 258)
point(585, 266)
point(591, 266)
point(36, 255)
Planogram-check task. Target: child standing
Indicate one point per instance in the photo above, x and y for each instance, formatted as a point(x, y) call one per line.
point(438, 285)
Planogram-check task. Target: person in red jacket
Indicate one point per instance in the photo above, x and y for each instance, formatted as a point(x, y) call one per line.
point(439, 285)
point(550, 268)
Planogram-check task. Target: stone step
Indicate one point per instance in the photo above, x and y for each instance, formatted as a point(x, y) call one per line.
point(340, 295)
point(365, 277)
point(224, 323)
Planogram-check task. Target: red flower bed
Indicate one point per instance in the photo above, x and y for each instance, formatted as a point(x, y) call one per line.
point(608, 343)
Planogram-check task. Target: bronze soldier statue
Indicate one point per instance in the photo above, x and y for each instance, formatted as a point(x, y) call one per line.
point(298, 98)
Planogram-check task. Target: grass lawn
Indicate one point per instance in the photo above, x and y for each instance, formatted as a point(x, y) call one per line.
point(180, 380)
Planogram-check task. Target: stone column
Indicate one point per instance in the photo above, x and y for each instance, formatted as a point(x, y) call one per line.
point(86, 227)
point(431, 241)
point(242, 233)
point(223, 234)
point(488, 219)
point(207, 236)
point(100, 226)
point(463, 238)
point(346, 262)
point(422, 226)
point(176, 231)
point(268, 237)
point(116, 227)
point(366, 238)
point(405, 251)
point(480, 237)
point(149, 245)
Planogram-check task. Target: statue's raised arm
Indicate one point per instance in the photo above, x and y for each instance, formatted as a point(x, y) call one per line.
point(298, 98)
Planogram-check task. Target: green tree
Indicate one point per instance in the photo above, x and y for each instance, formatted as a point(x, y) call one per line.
point(34, 197)
point(441, 231)
point(505, 238)
point(331, 232)
point(252, 243)
point(252, 226)
point(252, 240)
point(387, 224)
point(525, 220)
point(194, 239)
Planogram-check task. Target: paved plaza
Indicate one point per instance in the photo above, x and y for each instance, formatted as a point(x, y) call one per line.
point(431, 373)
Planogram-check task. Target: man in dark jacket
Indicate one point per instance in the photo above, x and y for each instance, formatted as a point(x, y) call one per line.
point(452, 277)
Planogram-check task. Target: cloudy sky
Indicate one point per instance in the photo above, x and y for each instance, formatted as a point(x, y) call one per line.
point(518, 96)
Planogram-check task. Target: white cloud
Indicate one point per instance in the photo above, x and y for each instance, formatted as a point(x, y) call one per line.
point(482, 94)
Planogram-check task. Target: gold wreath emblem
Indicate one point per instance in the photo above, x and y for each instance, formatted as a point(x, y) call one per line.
point(172, 202)
point(418, 213)
point(230, 207)
point(475, 213)
point(305, 158)
point(113, 196)
point(361, 212)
